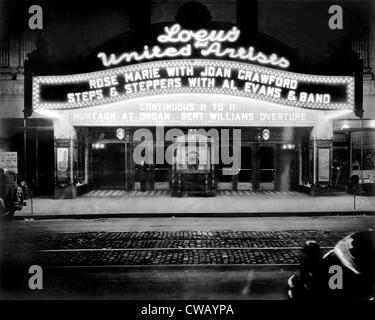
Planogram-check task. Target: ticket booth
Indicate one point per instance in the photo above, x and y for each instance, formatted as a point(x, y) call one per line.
point(193, 171)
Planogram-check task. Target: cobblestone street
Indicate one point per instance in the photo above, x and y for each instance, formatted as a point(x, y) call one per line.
point(163, 258)
point(185, 239)
point(171, 257)
point(176, 247)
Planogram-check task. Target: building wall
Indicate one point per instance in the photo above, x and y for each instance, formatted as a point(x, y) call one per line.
point(372, 35)
point(165, 10)
point(72, 29)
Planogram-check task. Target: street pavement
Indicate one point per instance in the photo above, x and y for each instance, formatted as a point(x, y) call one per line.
point(163, 258)
point(263, 203)
point(163, 283)
point(105, 224)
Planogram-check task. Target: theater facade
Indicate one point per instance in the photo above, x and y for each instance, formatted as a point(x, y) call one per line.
point(269, 126)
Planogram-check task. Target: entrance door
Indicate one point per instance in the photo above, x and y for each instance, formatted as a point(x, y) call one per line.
point(161, 173)
point(45, 167)
point(287, 176)
point(266, 167)
point(245, 174)
point(109, 166)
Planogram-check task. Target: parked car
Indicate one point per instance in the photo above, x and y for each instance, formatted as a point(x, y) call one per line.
point(352, 259)
point(11, 193)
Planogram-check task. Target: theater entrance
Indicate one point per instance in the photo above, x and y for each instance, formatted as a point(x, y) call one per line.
point(257, 167)
point(268, 167)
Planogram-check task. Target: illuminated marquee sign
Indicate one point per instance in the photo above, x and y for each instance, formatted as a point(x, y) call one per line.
point(188, 76)
point(208, 43)
point(201, 109)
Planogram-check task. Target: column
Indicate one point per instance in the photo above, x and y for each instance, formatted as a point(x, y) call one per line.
point(65, 140)
point(321, 137)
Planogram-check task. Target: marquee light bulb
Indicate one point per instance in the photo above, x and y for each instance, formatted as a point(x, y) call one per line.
point(193, 63)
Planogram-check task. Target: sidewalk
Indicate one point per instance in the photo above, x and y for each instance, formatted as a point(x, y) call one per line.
point(165, 205)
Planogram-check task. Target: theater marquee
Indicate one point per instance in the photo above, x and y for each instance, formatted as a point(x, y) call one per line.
point(193, 76)
point(196, 109)
point(220, 69)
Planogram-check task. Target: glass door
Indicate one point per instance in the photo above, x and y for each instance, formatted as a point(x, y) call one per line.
point(245, 174)
point(108, 165)
point(266, 167)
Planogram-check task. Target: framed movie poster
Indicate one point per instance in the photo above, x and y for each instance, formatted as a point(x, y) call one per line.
point(62, 159)
point(323, 164)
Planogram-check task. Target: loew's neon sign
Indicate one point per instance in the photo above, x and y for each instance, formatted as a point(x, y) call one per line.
point(208, 43)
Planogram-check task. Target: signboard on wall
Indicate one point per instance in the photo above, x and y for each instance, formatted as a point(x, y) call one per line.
point(204, 76)
point(323, 164)
point(120, 133)
point(8, 160)
point(62, 165)
point(62, 159)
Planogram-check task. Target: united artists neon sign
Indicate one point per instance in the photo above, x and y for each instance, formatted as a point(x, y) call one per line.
point(209, 44)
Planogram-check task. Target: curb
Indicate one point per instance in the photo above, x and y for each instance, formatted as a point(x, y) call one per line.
point(196, 215)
